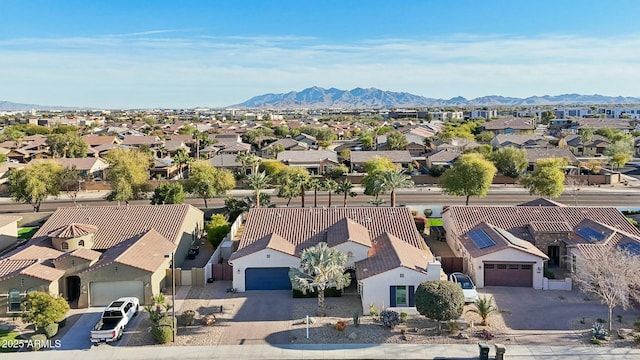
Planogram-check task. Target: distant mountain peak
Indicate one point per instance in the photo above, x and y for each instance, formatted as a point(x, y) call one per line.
point(372, 98)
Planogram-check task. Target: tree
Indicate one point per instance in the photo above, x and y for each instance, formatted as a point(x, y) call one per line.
point(562, 143)
point(293, 183)
point(42, 309)
point(70, 180)
point(258, 182)
point(594, 166)
point(258, 136)
point(619, 159)
point(366, 141)
point(547, 179)
point(331, 186)
point(510, 161)
point(12, 133)
point(471, 175)
point(586, 134)
point(345, 155)
point(277, 149)
point(396, 141)
point(345, 187)
point(181, 158)
point(35, 182)
point(321, 267)
point(208, 182)
point(128, 174)
point(217, 228)
point(378, 163)
point(439, 300)
point(249, 161)
point(485, 136)
point(336, 172)
point(315, 185)
point(168, 193)
point(612, 275)
point(392, 180)
point(485, 307)
point(69, 145)
point(620, 152)
point(547, 116)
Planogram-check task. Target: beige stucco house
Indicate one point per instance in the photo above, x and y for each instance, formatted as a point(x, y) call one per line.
point(8, 231)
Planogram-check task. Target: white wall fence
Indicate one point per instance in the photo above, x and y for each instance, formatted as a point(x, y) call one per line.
point(225, 244)
point(557, 284)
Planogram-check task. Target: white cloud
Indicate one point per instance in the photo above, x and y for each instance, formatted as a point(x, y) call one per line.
point(156, 68)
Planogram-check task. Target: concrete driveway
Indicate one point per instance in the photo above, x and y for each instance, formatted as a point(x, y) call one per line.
point(262, 315)
point(548, 310)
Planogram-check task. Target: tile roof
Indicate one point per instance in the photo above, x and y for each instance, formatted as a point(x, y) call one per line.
point(348, 230)
point(396, 156)
point(72, 230)
point(309, 156)
point(502, 240)
point(271, 241)
point(550, 226)
point(118, 223)
point(80, 163)
point(225, 160)
point(43, 272)
point(305, 227)
point(38, 251)
point(11, 267)
point(140, 140)
point(389, 252)
point(81, 253)
point(145, 251)
point(511, 123)
point(95, 140)
point(287, 143)
point(541, 202)
point(592, 251)
point(444, 155)
point(535, 154)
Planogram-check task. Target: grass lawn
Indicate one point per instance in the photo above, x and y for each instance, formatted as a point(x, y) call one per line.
point(26, 232)
point(8, 339)
point(435, 222)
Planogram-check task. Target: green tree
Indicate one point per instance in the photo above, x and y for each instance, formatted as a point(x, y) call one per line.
point(35, 182)
point(439, 300)
point(378, 163)
point(258, 136)
point(619, 160)
point(395, 179)
point(249, 161)
point(345, 155)
point(182, 158)
point(586, 134)
point(321, 267)
point(620, 152)
point(547, 116)
point(331, 186)
point(70, 182)
point(373, 186)
point(485, 136)
point(367, 142)
point(12, 133)
point(547, 178)
point(510, 161)
point(275, 169)
point(257, 182)
point(168, 193)
point(471, 175)
point(217, 228)
point(42, 309)
point(336, 172)
point(396, 141)
point(277, 149)
point(69, 145)
point(345, 187)
point(594, 166)
point(208, 182)
point(128, 174)
point(484, 150)
point(293, 184)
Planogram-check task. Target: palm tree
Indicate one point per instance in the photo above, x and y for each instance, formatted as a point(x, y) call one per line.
point(345, 187)
point(249, 161)
point(181, 158)
point(315, 185)
point(331, 186)
point(258, 182)
point(321, 267)
point(485, 308)
point(392, 180)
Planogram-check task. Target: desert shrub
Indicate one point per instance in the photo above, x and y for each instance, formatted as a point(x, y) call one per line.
point(209, 320)
point(420, 225)
point(427, 212)
point(217, 228)
point(356, 319)
point(453, 327)
point(187, 317)
point(373, 311)
point(340, 325)
point(166, 321)
point(439, 300)
point(601, 320)
point(50, 330)
point(598, 331)
point(485, 334)
point(37, 342)
point(403, 316)
point(389, 318)
point(162, 334)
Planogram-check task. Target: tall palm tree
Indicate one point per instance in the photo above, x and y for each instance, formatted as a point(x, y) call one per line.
point(258, 182)
point(321, 267)
point(394, 179)
point(331, 186)
point(345, 187)
point(249, 161)
point(181, 158)
point(315, 185)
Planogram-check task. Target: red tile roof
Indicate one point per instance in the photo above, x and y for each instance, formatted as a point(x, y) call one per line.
point(95, 140)
point(72, 230)
point(550, 227)
point(501, 239)
point(10, 267)
point(118, 223)
point(348, 230)
point(388, 253)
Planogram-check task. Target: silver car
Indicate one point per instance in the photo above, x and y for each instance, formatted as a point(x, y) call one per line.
point(468, 288)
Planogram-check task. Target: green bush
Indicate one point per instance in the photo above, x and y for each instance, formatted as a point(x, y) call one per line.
point(62, 323)
point(403, 316)
point(439, 300)
point(50, 330)
point(329, 292)
point(427, 212)
point(166, 321)
point(162, 334)
point(187, 317)
point(36, 342)
point(217, 229)
point(549, 274)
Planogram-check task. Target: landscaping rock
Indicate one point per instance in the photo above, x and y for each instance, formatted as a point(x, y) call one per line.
point(209, 320)
point(353, 336)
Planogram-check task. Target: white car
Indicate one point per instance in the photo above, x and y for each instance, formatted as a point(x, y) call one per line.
point(468, 288)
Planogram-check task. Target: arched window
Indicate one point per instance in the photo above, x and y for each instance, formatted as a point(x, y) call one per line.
point(81, 243)
point(14, 300)
point(65, 246)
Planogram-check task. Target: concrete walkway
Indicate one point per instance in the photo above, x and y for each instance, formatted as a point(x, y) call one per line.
point(350, 351)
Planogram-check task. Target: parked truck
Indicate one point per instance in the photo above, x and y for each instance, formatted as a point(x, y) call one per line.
point(114, 319)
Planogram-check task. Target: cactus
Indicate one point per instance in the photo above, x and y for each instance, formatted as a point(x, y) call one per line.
point(356, 319)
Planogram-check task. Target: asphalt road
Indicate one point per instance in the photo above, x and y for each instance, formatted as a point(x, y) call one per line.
point(591, 198)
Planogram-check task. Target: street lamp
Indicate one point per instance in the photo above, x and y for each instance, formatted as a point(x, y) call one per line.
point(173, 294)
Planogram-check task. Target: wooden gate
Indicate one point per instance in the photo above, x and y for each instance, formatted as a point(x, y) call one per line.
point(451, 264)
point(222, 271)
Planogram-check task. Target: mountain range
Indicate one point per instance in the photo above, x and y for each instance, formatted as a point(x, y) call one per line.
point(10, 106)
point(317, 98)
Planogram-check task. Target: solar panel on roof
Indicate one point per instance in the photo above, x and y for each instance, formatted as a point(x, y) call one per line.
point(631, 247)
point(510, 237)
point(590, 234)
point(480, 238)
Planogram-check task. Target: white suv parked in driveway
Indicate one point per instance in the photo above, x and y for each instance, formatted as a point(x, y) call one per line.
point(468, 288)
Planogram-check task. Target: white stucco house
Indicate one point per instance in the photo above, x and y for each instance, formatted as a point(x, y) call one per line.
point(386, 256)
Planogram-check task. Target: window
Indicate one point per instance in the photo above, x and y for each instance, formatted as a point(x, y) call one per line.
point(489, 266)
point(65, 246)
point(402, 296)
point(15, 303)
point(573, 263)
point(514, 267)
point(81, 243)
point(502, 267)
point(526, 267)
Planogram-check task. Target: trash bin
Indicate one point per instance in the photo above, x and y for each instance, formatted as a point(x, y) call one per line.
point(500, 350)
point(484, 351)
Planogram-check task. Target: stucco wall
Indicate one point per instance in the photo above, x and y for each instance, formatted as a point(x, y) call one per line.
point(359, 251)
point(375, 289)
point(8, 235)
point(260, 259)
point(109, 273)
point(28, 284)
point(510, 255)
point(193, 220)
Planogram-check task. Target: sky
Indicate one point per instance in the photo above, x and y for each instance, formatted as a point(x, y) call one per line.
point(185, 54)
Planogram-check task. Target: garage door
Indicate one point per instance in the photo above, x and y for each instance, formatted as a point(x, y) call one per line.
point(104, 292)
point(508, 274)
point(267, 279)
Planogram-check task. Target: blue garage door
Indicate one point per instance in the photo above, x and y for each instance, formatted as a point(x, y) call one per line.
point(267, 279)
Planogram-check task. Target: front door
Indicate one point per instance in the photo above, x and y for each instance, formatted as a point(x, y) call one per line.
point(554, 255)
point(73, 288)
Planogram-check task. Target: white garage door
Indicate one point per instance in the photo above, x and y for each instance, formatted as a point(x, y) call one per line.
point(104, 292)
